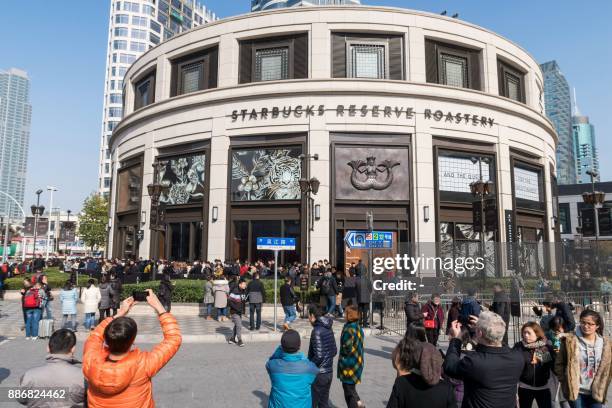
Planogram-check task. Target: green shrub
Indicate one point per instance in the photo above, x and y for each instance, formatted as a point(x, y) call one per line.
point(192, 291)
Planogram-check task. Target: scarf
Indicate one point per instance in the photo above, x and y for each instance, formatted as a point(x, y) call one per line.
point(539, 350)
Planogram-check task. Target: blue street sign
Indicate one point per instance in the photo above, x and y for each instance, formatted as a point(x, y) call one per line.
point(367, 239)
point(276, 244)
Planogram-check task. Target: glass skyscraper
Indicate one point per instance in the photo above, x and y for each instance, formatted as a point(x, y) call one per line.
point(133, 28)
point(586, 150)
point(260, 5)
point(15, 119)
point(558, 105)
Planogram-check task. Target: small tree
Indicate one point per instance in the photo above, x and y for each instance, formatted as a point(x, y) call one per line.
point(93, 221)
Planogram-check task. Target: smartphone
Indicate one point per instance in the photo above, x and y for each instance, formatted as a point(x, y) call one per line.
point(140, 295)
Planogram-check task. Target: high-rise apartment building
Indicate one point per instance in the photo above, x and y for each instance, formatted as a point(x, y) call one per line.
point(558, 105)
point(260, 5)
point(15, 118)
point(133, 28)
point(586, 150)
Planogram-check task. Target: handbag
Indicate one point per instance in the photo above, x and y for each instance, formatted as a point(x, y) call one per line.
point(429, 324)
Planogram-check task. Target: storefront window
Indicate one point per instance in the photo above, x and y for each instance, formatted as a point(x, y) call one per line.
point(129, 187)
point(245, 234)
point(457, 170)
point(185, 177)
point(531, 251)
point(266, 174)
point(459, 240)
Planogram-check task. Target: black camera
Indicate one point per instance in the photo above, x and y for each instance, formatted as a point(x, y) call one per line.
point(140, 295)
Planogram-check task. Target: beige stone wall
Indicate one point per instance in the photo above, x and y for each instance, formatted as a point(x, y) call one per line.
point(207, 115)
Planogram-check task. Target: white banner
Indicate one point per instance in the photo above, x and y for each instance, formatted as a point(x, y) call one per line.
point(456, 173)
point(526, 184)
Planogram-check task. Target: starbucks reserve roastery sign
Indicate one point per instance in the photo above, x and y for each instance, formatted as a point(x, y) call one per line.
point(372, 111)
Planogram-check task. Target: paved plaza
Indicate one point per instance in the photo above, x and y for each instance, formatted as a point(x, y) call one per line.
point(216, 375)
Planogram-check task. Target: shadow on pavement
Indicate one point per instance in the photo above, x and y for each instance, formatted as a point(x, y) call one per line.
point(384, 353)
point(263, 397)
point(4, 373)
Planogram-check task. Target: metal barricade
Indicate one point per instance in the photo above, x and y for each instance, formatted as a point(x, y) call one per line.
point(395, 316)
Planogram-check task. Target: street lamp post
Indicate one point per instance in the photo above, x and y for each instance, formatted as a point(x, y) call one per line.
point(68, 229)
point(155, 190)
point(37, 211)
point(308, 186)
point(50, 189)
point(480, 189)
point(23, 247)
point(596, 199)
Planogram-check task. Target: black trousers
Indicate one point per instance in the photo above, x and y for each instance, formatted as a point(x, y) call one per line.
point(432, 336)
point(254, 308)
point(350, 395)
point(104, 313)
point(364, 311)
point(542, 397)
point(320, 390)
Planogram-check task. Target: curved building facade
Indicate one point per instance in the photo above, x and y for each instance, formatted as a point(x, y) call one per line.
point(394, 119)
point(262, 5)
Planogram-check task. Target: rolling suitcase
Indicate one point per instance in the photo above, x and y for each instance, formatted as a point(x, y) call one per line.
point(45, 328)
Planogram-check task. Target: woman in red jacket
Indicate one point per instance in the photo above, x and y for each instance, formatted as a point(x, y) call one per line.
point(433, 318)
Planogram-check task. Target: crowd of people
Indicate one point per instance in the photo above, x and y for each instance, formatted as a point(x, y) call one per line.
point(550, 365)
point(558, 361)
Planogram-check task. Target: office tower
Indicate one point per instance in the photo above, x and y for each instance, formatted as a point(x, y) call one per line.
point(15, 118)
point(134, 27)
point(260, 5)
point(586, 150)
point(558, 105)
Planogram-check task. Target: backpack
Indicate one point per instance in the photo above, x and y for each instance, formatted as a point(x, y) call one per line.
point(326, 286)
point(31, 299)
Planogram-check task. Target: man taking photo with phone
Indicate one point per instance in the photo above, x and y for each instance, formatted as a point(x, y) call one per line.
point(119, 375)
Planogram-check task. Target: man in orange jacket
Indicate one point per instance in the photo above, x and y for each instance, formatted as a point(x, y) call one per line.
point(119, 375)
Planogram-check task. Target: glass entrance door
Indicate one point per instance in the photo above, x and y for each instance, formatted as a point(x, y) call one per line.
point(245, 234)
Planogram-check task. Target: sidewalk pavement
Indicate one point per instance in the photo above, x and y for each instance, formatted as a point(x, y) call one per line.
point(195, 329)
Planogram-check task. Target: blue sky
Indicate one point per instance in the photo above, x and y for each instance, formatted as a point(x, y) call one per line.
point(62, 45)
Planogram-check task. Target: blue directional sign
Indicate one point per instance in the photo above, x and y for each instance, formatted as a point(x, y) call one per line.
point(276, 244)
point(369, 239)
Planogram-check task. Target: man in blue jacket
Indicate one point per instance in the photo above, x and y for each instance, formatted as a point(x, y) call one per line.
point(321, 351)
point(291, 374)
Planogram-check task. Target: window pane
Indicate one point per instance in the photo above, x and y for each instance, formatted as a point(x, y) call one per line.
point(154, 38)
point(368, 61)
point(163, 6)
point(454, 71)
point(272, 64)
point(143, 93)
point(513, 87)
point(120, 45)
point(121, 32)
point(190, 77)
point(155, 26)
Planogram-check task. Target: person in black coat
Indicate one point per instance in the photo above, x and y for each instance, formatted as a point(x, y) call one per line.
point(564, 311)
point(321, 352)
point(328, 289)
point(164, 293)
point(453, 313)
point(538, 357)
point(364, 293)
point(501, 306)
point(257, 295)
point(410, 388)
point(491, 372)
point(288, 299)
point(412, 308)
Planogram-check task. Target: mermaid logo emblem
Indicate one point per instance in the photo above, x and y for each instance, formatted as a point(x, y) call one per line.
point(371, 171)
